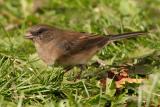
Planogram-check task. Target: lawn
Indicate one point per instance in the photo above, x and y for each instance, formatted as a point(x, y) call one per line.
point(25, 81)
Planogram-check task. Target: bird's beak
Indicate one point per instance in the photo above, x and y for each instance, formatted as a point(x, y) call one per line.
point(29, 36)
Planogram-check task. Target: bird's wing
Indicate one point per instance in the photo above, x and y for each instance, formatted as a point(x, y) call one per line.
point(82, 43)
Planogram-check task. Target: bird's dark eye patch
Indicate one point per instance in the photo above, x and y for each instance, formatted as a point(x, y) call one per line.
point(39, 31)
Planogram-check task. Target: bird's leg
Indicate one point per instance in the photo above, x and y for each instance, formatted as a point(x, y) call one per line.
point(82, 67)
point(67, 68)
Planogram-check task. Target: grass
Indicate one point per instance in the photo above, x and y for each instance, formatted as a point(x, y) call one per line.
point(26, 81)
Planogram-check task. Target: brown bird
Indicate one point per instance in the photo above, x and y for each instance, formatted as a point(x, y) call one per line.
point(63, 47)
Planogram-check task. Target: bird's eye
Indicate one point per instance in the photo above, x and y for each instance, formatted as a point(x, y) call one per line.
point(40, 31)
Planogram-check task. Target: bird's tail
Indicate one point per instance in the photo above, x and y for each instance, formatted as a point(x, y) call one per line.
point(126, 35)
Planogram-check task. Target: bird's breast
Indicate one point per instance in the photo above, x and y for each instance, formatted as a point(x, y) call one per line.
point(49, 53)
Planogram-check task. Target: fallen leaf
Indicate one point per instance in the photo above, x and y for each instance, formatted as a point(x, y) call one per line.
point(120, 78)
point(123, 81)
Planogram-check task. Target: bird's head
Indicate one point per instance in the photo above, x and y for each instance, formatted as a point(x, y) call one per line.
point(41, 33)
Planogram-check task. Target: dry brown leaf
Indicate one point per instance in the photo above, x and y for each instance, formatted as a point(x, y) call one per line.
point(123, 81)
point(120, 79)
